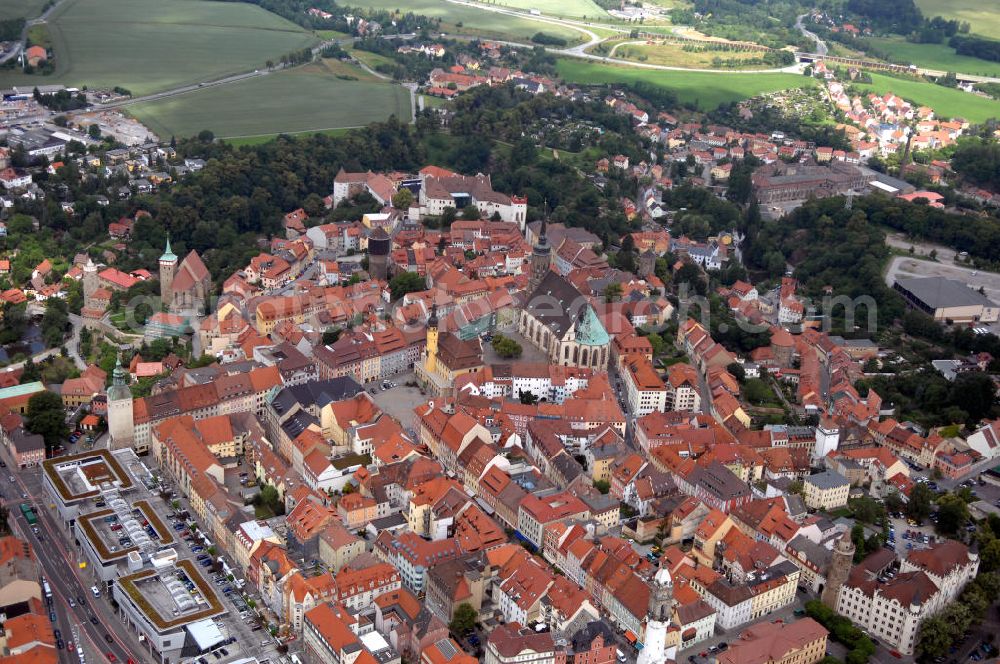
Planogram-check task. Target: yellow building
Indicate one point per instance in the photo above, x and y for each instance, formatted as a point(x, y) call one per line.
point(826, 491)
point(445, 358)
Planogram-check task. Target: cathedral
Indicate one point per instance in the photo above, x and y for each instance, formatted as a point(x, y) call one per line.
point(559, 320)
point(185, 286)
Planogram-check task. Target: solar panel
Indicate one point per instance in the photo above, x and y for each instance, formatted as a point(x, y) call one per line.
point(447, 649)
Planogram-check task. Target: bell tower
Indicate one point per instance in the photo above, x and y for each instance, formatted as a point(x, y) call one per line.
point(541, 258)
point(840, 568)
point(430, 364)
point(168, 267)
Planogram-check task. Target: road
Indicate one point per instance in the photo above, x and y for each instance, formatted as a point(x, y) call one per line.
point(59, 565)
point(821, 49)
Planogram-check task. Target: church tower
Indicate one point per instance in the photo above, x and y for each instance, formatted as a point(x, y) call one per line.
point(840, 568)
point(168, 268)
point(90, 284)
point(661, 596)
point(430, 364)
point(121, 424)
point(647, 263)
point(541, 259)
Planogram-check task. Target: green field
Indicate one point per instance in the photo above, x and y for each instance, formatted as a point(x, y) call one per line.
point(706, 89)
point(476, 21)
point(21, 8)
point(946, 102)
point(982, 15)
point(303, 100)
point(152, 45)
point(935, 56)
point(567, 8)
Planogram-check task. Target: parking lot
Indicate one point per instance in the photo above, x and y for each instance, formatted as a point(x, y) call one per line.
point(245, 633)
point(400, 400)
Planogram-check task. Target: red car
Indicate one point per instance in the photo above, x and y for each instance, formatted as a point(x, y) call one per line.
point(69, 646)
point(111, 657)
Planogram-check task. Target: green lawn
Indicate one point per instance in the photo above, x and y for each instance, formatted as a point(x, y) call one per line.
point(565, 8)
point(152, 45)
point(303, 100)
point(477, 21)
point(706, 89)
point(946, 102)
point(935, 56)
point(21, 8)
point(982, 15)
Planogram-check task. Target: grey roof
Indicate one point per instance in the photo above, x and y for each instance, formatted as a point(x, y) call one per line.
point(318, 393)
point(941, 293)
point(815, 553)
point(828, 480)
point(555, 303)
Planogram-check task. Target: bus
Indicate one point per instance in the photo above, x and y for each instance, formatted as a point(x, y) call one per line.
point(29, 514)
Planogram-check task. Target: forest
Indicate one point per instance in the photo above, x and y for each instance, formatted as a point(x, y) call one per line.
point(242, 193)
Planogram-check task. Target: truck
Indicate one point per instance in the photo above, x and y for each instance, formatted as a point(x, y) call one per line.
point(29, 514)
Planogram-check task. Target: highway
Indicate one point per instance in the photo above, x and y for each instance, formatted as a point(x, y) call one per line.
point(821, 49)
point(59, 561)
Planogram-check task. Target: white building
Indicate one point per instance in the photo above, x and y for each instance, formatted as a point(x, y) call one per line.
point(644, 389)
point(928, 581)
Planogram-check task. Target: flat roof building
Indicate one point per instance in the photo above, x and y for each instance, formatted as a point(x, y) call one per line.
point(947, 300)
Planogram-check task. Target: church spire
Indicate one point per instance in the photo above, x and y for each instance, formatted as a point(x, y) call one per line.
point(168, 255)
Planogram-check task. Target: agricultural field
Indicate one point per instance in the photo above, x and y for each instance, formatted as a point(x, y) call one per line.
point(148, 46)
point(675, 55)
point(934, 56)
point(475, 21)
point(565, 8)
point(946, 102)
point(315, 98)
point(982, 15)
point(706, 89)
point(21, 8)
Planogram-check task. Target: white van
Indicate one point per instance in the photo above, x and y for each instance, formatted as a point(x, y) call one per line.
point(96, 591)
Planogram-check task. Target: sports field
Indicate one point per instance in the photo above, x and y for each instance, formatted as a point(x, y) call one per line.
point(476, 21)
point(566, 8)
point(983, 15)
point(946, 102)
point(306, 99)
point(935, 56)
point(21, 8)
point(152, 45)
point(706, 89)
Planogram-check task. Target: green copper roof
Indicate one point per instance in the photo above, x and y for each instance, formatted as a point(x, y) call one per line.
point(119, 384)
point(589, 331)
point(167, 254)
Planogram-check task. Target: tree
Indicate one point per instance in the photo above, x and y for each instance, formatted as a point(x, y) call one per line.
point(612, 292)
point(919, 507)
point(406, 282)
point(55, 321)
point(602, 485)
point(739, 373)
point(46, 418)
point(94, 131)
point(796, 487)
point(867, 510)
point(527, 398)
point(402, 199)
point(953, 513)
point(506, 347)
point(658, 344)
point(894, 502)
point(470, 212)
point(269, 497)
point(464, 620)
point(206, 136)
